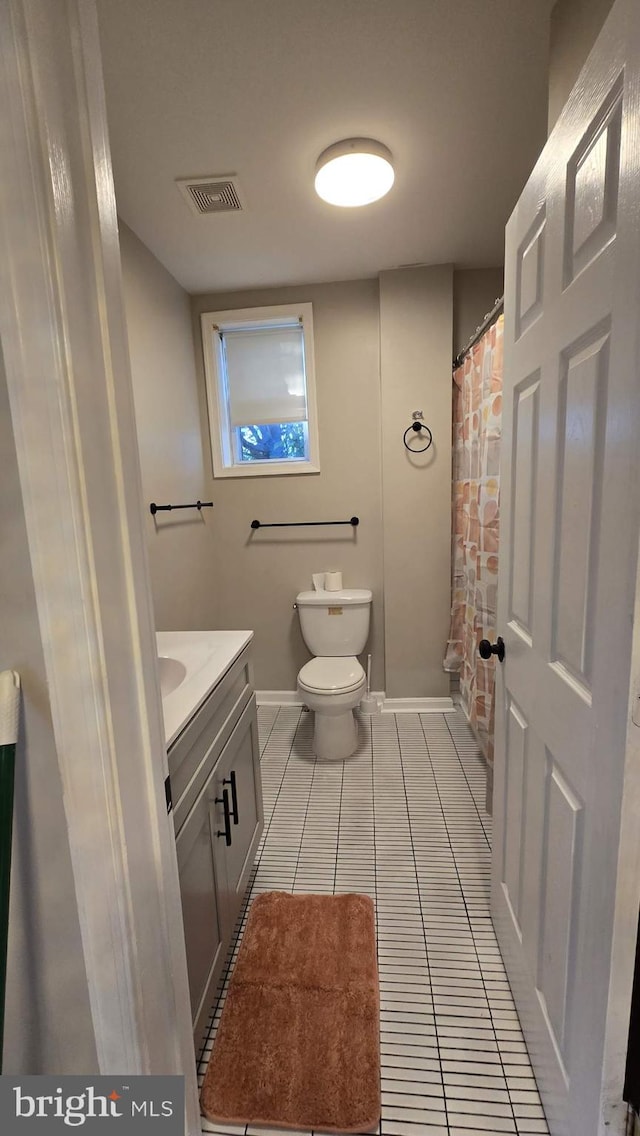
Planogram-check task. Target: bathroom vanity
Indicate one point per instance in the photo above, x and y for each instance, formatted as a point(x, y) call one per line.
point(214, 767)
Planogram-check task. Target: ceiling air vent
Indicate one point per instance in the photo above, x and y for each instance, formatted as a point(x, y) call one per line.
point(215, 194)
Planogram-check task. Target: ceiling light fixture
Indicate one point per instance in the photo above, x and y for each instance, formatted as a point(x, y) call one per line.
point(354, 172)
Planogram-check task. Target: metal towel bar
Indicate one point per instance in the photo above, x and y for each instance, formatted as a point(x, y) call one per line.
point(353, 521)
point(153, 508)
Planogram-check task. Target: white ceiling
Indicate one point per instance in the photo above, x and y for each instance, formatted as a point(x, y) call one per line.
point(456, 88)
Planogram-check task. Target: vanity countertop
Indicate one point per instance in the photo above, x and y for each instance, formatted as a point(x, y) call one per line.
point(206, 656)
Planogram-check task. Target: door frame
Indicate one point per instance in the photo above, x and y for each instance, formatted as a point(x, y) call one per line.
point(68, 375)
point(82, 499)
point(613, 1111)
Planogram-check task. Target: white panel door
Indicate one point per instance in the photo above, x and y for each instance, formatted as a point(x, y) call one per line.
point(570, 503)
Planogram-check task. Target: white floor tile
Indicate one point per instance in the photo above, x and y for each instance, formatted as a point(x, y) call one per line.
point(403, 821)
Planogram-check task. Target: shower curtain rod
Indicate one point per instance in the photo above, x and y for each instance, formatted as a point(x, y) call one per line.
point(480, 330)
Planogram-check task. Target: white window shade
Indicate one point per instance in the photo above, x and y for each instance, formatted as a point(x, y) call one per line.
point(265, 375)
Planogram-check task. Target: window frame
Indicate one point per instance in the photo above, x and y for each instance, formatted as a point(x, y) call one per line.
point(220, 430)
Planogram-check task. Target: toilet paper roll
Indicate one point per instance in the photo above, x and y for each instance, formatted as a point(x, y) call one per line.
point(333, 581)
point(318, 581)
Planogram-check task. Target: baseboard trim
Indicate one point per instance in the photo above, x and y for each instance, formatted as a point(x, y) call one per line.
point(443, 705)
point(278, 698)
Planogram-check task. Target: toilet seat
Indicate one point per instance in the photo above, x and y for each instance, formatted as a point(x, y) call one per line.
point(335, 674)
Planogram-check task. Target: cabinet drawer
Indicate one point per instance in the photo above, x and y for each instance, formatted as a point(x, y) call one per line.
point(195, 752)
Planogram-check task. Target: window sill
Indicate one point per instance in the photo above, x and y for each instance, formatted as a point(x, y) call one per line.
point(267, 469)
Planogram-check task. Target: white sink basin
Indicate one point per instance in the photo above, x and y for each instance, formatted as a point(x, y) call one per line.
point(191, 663)
point(172, 673)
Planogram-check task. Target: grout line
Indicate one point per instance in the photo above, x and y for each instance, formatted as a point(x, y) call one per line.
point(335, 863)
point(453, 740)
point(464, 899)
point(424, 930)
point(304, 823)
point(266, 740)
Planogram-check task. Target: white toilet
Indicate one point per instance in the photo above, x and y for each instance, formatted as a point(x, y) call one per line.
point(335, 627)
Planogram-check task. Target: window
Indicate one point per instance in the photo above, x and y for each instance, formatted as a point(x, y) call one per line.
point(261, 391)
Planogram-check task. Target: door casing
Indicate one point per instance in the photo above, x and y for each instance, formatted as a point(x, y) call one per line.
point(67, 366)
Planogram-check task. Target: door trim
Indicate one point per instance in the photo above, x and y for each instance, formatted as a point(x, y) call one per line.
point(67, 366)
point(625, 920)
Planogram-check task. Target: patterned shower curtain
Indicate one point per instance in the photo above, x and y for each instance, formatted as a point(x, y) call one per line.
point(477, 411)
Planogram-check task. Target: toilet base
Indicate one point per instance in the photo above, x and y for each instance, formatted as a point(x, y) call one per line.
point(335, 736)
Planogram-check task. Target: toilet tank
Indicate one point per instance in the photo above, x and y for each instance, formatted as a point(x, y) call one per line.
point(335, 623)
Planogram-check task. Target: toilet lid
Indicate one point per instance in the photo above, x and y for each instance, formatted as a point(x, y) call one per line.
point(337, 674)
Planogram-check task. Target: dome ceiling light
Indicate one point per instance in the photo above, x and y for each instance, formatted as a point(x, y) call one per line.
point(354, 172)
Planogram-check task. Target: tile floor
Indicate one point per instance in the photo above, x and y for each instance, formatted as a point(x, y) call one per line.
point(403, 820)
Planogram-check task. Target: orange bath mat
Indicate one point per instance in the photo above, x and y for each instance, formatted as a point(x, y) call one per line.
point(298, 1044)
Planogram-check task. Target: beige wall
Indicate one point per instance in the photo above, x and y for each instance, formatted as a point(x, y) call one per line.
point(475, 291)
point(381, 352)
point(416, 306)
point(175, 467)
point(48, 1027)
point(575, 25)
point(258, 574)
point(382, 349)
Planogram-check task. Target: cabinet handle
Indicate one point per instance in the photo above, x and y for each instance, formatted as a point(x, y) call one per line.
point(224, 801)
point(234, 795)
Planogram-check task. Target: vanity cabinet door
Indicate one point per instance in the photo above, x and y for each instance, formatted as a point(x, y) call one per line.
point(239, 770)
point(201, 910)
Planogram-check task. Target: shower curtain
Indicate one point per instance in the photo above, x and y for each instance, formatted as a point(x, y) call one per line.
point(477, 410)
